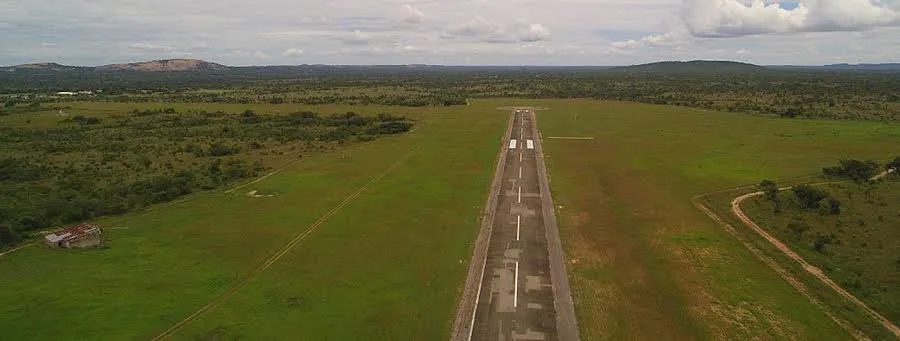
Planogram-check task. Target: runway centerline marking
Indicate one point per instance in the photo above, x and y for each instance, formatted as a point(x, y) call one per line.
point(518, 224)
point(520, 195)
point(516, 287)
point(520, 172)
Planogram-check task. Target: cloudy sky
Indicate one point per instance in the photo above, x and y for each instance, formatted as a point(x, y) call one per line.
point(458, 32)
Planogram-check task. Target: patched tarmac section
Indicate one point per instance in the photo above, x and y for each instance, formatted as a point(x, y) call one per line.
point(516, 297)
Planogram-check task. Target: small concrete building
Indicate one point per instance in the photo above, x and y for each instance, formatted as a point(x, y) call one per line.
point(76, 236)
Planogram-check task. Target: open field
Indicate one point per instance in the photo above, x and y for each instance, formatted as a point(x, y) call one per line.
point(387, 265)
point(857, 248)
point(643, 262)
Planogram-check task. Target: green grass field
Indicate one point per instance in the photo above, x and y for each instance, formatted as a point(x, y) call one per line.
point(862, 250)
point(643, 262)
point(386, 266)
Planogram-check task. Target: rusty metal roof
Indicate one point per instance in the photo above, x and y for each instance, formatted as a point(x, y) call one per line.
point(73, 232)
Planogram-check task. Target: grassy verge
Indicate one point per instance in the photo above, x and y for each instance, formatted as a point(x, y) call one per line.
point(644, 263)
point(857, 247)
point(387, 266)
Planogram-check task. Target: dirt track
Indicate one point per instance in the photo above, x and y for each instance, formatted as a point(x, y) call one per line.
point(815, 271)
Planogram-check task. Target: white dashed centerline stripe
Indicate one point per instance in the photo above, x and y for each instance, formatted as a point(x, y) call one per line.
point(520, 195)
point(520, 172)
point(518, 224)
point(516, 290)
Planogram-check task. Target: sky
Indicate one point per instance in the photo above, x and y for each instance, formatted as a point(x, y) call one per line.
point(450, 32)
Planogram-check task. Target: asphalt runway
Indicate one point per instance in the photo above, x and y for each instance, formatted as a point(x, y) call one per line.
point(515, 298)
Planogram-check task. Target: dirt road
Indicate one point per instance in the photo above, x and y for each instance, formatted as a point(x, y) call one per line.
point(815, 271)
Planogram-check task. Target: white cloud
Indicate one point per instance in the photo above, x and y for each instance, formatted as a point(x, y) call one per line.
point(533, 33)
point(145, 47)
point(292, 52)
point(356, 38)
point(606, 32)
point(733, 18)
point(475, 27)
point(413, 15)
point(481, 29)
point(652, 40)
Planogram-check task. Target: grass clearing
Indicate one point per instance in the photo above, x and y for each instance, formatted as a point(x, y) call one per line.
point(372, 271)
point(644, 263)
point(861, 253)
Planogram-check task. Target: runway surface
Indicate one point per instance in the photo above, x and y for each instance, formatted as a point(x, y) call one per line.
point(515, 297)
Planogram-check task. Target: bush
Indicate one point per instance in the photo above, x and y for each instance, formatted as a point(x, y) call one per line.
point(85, 120)
point(834, 206)
point(798, 228)
point(393, 127)
point(858, 171)
point(220, 150)
point(809, 196)
point(821, 241)
point(770, 188)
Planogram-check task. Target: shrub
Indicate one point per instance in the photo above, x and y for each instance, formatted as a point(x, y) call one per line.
point(809, 196)
point(798, 228)
point(834, 206)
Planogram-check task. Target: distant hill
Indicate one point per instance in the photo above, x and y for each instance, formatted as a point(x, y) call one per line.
point(883, 67)
point(865, 67)
point(696, 66)
point(42, 67)
point(166, 65)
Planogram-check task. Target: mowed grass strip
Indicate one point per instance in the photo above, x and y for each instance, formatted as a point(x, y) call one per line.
point(164, 264)
point(389, 265)
point(643, 262)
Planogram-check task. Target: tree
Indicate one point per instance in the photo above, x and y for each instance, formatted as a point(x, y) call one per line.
point(7, 236)
point(858, 171)
point(798, 228)
point(770, 189)
point(895, 164)
point(834, 206)
point(809, 196)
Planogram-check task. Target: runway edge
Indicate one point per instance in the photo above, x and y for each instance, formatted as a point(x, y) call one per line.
point(466, 305)
point(566, 322)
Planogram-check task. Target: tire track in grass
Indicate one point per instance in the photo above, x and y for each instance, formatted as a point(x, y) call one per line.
point(282, 251)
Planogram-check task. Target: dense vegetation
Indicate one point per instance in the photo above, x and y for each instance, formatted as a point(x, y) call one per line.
point(847, 228)
point(89, 166)
point(790, 93)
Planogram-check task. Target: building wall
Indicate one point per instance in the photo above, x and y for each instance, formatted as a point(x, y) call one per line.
point(86, 242)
